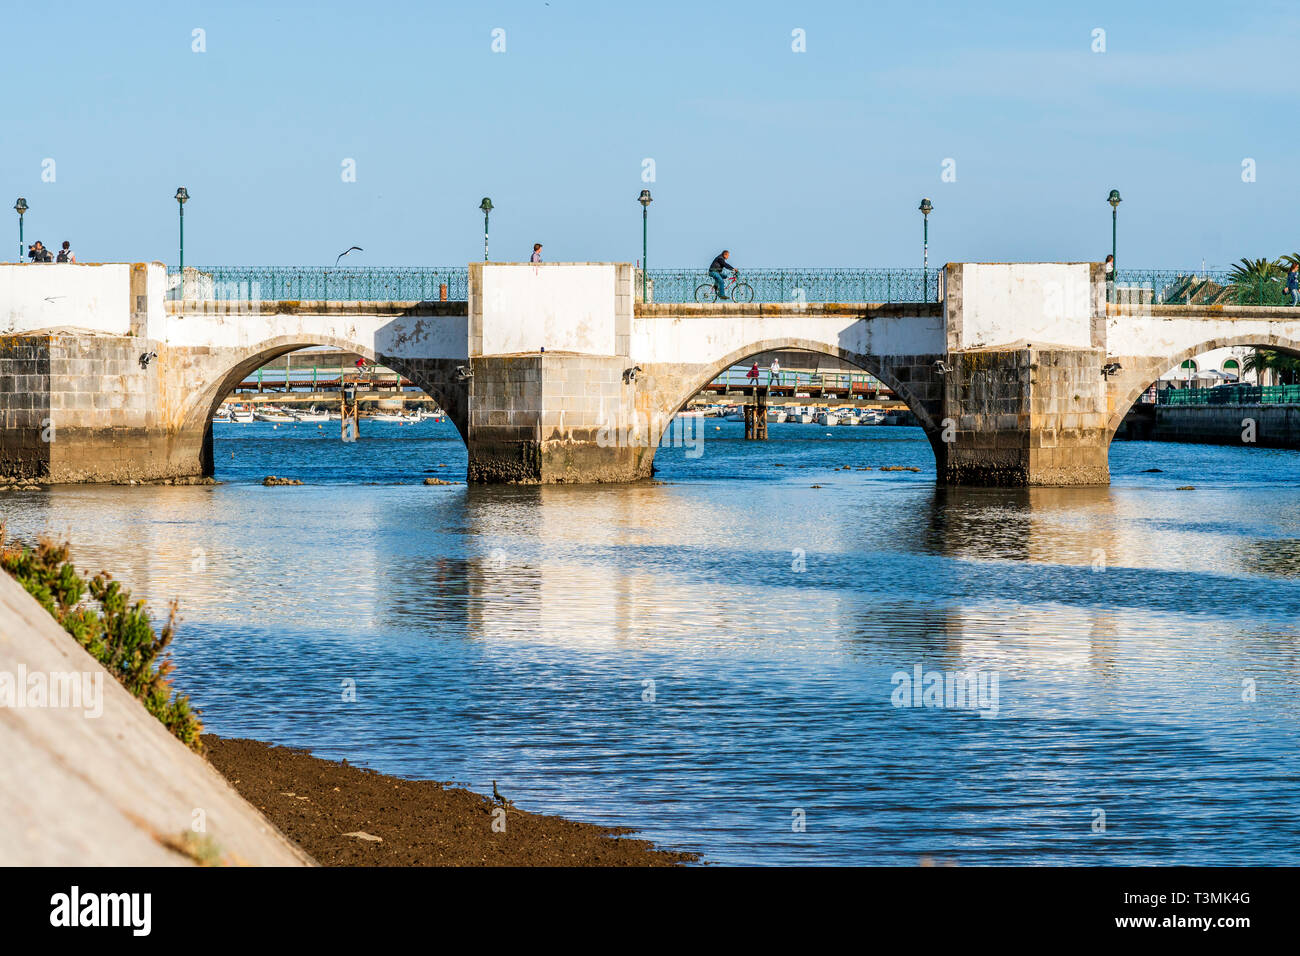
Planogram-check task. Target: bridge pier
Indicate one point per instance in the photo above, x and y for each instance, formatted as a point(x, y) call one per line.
point(79, 407)
point(1026, 416)
point(554, 418)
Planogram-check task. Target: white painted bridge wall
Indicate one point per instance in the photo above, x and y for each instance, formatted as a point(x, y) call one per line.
point(708, 339)
point(64, 295)
point(587, 307)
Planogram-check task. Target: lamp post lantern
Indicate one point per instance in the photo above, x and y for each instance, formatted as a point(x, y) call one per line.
point(486, 206)
point(926, 208)
point(645, 199)
point(182, 197)
point(20, 207)
point(1114, 201)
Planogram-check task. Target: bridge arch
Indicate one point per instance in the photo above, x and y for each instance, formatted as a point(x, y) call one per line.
point(913, 379)
point(1130, 385)
point(227, 368)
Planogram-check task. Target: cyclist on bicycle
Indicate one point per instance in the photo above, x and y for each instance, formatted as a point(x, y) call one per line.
point(717, 269)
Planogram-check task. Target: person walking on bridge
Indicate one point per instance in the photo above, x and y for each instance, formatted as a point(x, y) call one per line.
point(537, 252)
point(1293, 282)
point(717, 272)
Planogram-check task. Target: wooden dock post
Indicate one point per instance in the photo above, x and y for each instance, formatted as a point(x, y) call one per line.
point(756, 415)
point(349, 412)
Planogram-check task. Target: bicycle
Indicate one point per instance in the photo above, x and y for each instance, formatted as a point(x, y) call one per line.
point(739, 291)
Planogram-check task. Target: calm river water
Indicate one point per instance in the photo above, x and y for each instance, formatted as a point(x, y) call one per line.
point(717, 660)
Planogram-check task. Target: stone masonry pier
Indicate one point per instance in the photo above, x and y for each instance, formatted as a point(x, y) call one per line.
point(554, 373)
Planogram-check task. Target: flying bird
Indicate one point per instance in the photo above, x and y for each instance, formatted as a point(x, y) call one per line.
point(346, 251)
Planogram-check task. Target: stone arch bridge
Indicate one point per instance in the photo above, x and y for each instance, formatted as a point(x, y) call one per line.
point(552, 372)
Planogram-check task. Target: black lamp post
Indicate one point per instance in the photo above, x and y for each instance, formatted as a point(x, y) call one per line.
point(486, 206)
point(20, 207)
point(645, 200)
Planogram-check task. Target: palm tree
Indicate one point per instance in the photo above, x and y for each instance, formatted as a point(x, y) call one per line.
point(1285, 368)
point(1258, 281)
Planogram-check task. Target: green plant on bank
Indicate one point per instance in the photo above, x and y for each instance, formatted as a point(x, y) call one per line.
point(114, 630)
point(1260, 281)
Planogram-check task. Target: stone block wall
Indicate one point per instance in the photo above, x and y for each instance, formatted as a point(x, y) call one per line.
point(24, 406)
point(82, 407)
point(504, 419)
point(555, 417)
point(1275, 426)
point(1025, 416)
point(590, 428)
point(116, 417)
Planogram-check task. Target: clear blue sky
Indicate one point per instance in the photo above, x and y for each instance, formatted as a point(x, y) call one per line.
point(811, 159)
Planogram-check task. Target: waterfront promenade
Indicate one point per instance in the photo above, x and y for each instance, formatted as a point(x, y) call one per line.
point(96, 780)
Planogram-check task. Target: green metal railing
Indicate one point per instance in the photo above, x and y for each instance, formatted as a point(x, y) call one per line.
point(425, 283)
point(1195, 287)
point(319, 283)
point(1231, 395)
point(806, 285)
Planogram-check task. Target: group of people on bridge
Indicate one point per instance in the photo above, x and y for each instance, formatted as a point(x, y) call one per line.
point(37, 252)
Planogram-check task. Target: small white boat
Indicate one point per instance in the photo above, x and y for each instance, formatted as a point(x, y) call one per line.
point(311, 415)
point(849, 417)
point(691, 413)
point(776, 415)
point(801, 416)
point(872, 416)
point(272, 415)
point(241, 415)
point(828, 418)
point(385, 417)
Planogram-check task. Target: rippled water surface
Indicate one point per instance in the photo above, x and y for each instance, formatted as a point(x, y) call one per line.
point(1145, 640)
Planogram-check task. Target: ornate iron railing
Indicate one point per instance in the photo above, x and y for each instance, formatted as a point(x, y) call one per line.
point(426, 283)
point(805, 285)
point(1196, 287)
point(321, 283)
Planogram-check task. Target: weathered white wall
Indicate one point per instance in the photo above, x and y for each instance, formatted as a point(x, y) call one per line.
point(702, 338)
point(559, 306)
point(1002, 303)
point(1175, 332)
point(400, 336)
point(66, 295)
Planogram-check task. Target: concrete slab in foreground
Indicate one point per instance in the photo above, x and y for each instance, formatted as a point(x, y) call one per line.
point(109, 790)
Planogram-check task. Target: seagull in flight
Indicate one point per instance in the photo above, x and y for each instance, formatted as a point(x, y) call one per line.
point(346, 251)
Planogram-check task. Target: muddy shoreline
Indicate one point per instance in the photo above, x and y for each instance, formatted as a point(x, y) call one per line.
point(343, 815)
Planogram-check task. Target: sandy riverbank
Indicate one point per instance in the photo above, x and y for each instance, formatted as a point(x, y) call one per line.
point(318, 803)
